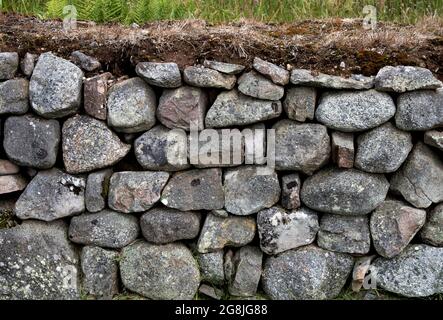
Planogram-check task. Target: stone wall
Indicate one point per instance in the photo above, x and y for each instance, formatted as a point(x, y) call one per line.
point(118, 186)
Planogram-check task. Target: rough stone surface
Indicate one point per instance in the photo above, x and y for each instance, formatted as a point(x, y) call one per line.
point(344, 191)
point(383, 149)
point(96, 193)
point(7, 167)
point(211, 292)
point(300, 102)
point(132, 191)
point(199, 76)
point(37, 262)
point(432, 232)
point(160, 272)
point(232, 108)
point(131, 106)
point(227, 68)
point(345, 234)
point(218, 232)
point(27, 64)
point(108, 229)
point(247, 271)
point(211, 267)
point(420, 178)
point(405, 78)
point(51, 194)
point(8, 65)
point(257, 86)
point(434, 138)
point(165, 75)
point(393, 225)
point(14, 96)
point(194, 190)
point(249, 189)
point(350, 111)
point(89, 145)
point(290, 191)
point(84, 61)
point(32, 141)
point(164, 225)
point(12, 183)
point(95, 94)
point(342, 149)
point(280, 230)
point(55, 88)
point(301, 147)
point(276, 74)
point(315, 274)
point(303, 77)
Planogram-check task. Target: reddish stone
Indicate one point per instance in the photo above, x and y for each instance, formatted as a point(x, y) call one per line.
point(343, 149)
point(12, 183)
point(95, 95)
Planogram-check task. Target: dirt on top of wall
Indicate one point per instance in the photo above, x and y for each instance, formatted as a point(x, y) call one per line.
point(338, 46)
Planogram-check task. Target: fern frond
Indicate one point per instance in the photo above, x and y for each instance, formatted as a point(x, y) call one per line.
point(54, 8)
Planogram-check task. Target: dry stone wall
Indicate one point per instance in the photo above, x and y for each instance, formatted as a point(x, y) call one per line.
point(127, 186)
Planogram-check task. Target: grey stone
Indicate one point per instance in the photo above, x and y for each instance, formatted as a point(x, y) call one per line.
point(55, 88)
point(164, 225)
point(7, 167)
point(405, 78)
point(165, 75)
point(432, 231)
point(131, 106)
point(232, 108)
point(342, 149)
point(314, 274)
point(84, 61)
point(276, 74)
point(383, 149)
point(160, 272)
point(300, 102)
point(100, 272)
point(37, 262)
point(249, 189)
point(280, 230)
point(420, 110)
point(8, 65)
point(228, 264)
point(12, 183)
point(290, 191)
point(211, 267)
point(420, 178)
point(227, 68)
point(95, 95)
point(247, 272)
point(393, 225)
point(51, 194)
point(434, 138)
point(220, 213)
point(28, 63)
point(414, 273)
point(303, 147)
point(135, 191)
point(96, 192)
point(107, 228)
point(14, 96)
point(199, 76)
point(218, 232)
point(32, 141)
point(89, 145)
point(344, 191)
point(351, 111)
point(347, 234)
point(305, 77)
point(257, 86)
point(199, 189)
point(211, 292)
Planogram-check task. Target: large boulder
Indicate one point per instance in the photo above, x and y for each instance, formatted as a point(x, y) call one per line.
point(257, 86)
point(432, 232)
point(405, 78)
point(165, 75)
point(14, 96)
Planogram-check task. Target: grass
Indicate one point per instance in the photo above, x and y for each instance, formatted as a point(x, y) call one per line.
point(221, 11)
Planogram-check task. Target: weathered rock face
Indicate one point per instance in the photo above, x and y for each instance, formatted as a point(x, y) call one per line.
point(27, 65)
point(434, 138)
point(301, 147)
point(14, 96)
point(300, 102)
point(51, 195)
point(247, 263)
point(344, 191)
point(303, 77)
point(414, 273)
point(393, 225)
point(7, 167)
point(228, 68)
point(290, 191)
point(12, 183)
point(89, 145)
point(280, 230)
point(84, 61)
point(315, 274)
point(160, 272)
point(96, 193)
point(277, 74)
point(199, 76)
point(342, 149)
point(432, 232)
point(8, 65)
point(95, 93)
point(257, 86)
point(211, 267)
point(405, 78)
point(165, 75)
point(55, 88)
point(38, 262)
point(419, 180)
point(351, 111)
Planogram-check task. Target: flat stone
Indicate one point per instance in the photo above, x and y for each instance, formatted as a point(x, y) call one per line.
point(290, 191)
point(211, 267)
point(420, 178)
point(95, 95)
point(199, 76)
point(199, 189)
point(131, 106)
point(14, 96)
point(302, 147)
point(342, 149)
point(248, 268)
point(8, 65)
point(434, 138)
point(31, 141)
point(12, 183)
point(351, 111)
point(232, 108)
point(88, 145)
point(55, 88)
point(315, 274)
point(303, 77)
point(300, 103)
point(165, 75)
point(257, 86)
point(96, 193)
point(432, 231)
point(37, 262)
point(218, 232)
point(347, 234)
point(84, 61)
point(383, 149)
point(393, 225)
point(276, 74)
point(249, 189)
point(220, 213)
point(51, 194)
point(344, 191)
point(107, 228)
point(160, 272)
point(7, 167)
point(27, 64)
point(163, 225)
point(280, 230)
point(227, 68)
point(135, 191)
point(405, 78)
